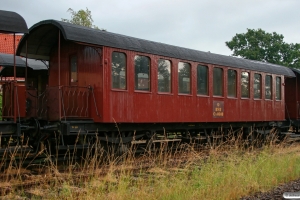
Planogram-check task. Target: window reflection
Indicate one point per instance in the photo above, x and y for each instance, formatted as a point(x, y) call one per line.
point(73, 63)
point(257, 86)
point(118, 70)
point(184, 77)
point(268, 87)
point(231, 83)
point(218, 82)
point(245, 93)
point(278, 88)
point(142, 73)
point(164, 75)
point(202, 80)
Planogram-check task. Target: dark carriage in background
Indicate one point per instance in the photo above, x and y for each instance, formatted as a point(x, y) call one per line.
point(30, 75)
point(12, 23)
point(10, 126)
point(20, 94)
point(18, 76)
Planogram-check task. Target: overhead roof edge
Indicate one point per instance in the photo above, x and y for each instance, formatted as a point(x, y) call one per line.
point(12, 22)
point(296, 70)
point(8, 60)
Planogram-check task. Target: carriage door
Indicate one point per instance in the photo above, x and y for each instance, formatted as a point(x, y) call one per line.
point(70, 92)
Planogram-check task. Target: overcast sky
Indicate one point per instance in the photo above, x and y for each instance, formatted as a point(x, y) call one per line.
point(203, 25)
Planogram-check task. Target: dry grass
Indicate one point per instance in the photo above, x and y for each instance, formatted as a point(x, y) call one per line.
point(227, 169)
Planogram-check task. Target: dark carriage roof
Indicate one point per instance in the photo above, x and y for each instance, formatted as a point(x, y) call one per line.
point(295, 70)
point(7, 60)
point(7, 64)
point(43, 37)
point(11, 22)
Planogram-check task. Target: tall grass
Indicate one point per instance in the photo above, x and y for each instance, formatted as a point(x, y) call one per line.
point(226, 171)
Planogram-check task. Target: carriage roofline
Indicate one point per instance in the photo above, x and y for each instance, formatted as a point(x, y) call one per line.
point(43, 36)
point(7, 60)
point(11, 22)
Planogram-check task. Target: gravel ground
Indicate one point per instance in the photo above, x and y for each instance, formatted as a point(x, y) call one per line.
point(276, 193)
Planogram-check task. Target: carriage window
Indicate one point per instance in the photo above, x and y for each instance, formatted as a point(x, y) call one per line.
point(142, 73)
point(268, 87)
point(245, 85)
point(218, 81)
point(231, 83)
point(164, 75)
point(278, 88)
point(257, 86)
point(202, 80)
point(118, 70)
point(184, 77)
point(74, 70)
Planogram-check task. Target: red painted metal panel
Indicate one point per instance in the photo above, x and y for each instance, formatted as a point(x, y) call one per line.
point(53, 97)
point(8, 100)
point(136, 106)
point(268, 112)
point(258, 110)
point(13, 92)
point(246, 110)
point(111, 105)
point(21, 101)
point(232, 109)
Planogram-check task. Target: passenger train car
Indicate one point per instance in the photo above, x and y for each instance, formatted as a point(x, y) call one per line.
point(125, 89)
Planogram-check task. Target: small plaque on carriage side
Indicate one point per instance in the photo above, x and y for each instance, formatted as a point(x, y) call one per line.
point(218, 109)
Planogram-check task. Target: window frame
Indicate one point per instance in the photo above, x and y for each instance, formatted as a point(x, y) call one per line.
point(70, 60)
point(260, 86)
point(278, 87)
point(271, 87)
point(236, 79)
point(170, 73)
point(221, 81)
point(190, 79)
point(199, 82)
point(248, 85)
point(136, 79)
point(126, 72)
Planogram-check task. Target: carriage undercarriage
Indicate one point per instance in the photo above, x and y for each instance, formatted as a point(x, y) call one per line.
point(35, 138)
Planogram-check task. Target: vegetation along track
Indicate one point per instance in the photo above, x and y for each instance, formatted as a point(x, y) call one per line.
point(22, 172)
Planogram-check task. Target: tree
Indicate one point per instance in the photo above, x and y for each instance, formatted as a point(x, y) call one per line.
point(82, 17)
point(266, 47)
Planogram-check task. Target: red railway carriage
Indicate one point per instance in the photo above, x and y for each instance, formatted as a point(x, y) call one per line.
point(122, 90)
point(98, 79)
point(128, 78)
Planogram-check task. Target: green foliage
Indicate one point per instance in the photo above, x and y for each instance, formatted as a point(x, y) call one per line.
point(266, 47)
point(81, 17)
